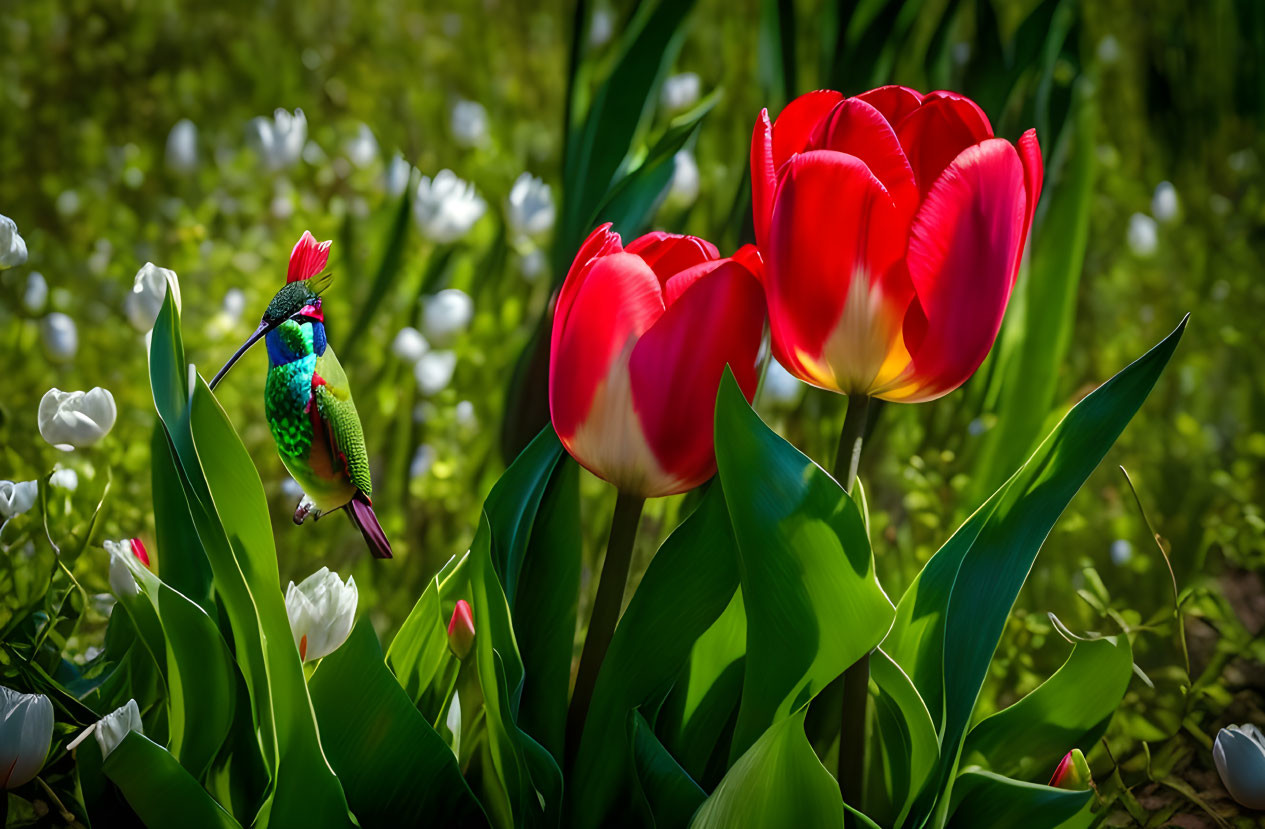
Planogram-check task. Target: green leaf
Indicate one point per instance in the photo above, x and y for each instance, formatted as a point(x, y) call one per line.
point(1033, 347)
point(1070, 709)
point(671, 796)
point(906, 738)
point(814, 605)
point(777, 782)
point(528, 774)
point(685, 589)
point(633, 200)
point(182, 562)
point(395, 768)
point(419, 655)
point(950, 619)
point(160, 790)
point(982, 798)
point(619, 112)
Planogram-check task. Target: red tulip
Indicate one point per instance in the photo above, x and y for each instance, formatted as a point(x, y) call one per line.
point(892, 225)
point(641, 337)
point(138, 550)
point(461, 629)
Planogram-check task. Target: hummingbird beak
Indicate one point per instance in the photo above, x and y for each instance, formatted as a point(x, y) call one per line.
point(263, 328)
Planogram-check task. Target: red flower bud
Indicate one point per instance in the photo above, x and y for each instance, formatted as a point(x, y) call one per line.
point(461, 630)
point(138, 550)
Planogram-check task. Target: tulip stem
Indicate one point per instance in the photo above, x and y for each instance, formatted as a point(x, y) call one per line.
point(856, 679)
point(606, 607)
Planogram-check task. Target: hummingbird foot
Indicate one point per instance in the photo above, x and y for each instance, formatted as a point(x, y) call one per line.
point(305, 508)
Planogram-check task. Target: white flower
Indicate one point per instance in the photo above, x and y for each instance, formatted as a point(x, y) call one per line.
point(148, 292)
point(182, 147)
point(12, 245)
point(60, 336)
point(781, 388)
point(434, 371)
point(1143, 235)
point(530, 210)
point(17, 498)
point(279, 141)
point(113, 727)
point(532, 264)
point(321, 610)
point(362, 150)
point(397, 175)
point(469, 123)
point(680, 92)
point(684, 189)
point(445, 315)
point(601, 27)
point(409, 345)
point(446, 207)
point(465, 416)
point(26, 731)
point(1239, 754)
point(122, 580)
point(36, 292)
point(1164, 203)
point(67, 479)
point(76, 418)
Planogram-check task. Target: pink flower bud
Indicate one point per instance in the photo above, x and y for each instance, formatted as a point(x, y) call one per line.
point(138, 550)
point(461, 630)
point(1072, 773)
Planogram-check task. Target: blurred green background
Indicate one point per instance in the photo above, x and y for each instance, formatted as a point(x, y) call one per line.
point(1154, 108)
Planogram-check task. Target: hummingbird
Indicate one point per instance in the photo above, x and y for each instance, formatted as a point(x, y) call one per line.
point(307, 399)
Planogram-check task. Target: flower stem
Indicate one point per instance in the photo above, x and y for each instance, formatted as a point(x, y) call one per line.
point(606, 607)
point(856, 679)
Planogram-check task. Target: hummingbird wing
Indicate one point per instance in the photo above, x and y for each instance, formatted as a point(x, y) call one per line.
point(337, 411)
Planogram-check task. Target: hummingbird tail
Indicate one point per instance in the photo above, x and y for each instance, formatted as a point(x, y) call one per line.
point(361, 511)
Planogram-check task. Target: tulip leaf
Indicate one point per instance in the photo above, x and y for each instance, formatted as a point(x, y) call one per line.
point(393, 765)
point(632, 201)
point(950, 619)
point(687, 586)
point(671, 796)
point(697, 719)
point(598, 148)
point(244, 562)
point(983, 798)
point(160, 790)
point(419, 655)
point(1038, 330)
point(182, 562)
point(778, 781)
point(814, 605)
point(530, 777)
point(1069, 710)
point(908, 746)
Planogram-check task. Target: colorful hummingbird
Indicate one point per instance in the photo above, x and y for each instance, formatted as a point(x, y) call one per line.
point(307, 399)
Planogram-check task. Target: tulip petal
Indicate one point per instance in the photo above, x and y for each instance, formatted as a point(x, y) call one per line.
point(676, 368)
point(962, 248)
point(1033, 176)
point(671, 253)
point(857, 128)
point(600, 242)
point(308, 258)
point(793, 130)
point(834, 227)
point(763, 177)
point(937, 132)
point(618, 297)
point(894, 101)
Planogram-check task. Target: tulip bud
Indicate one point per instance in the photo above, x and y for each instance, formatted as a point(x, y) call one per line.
point(67, 479)
point(321, 610)
point(26, 731)
point(279, 141)
point(469, 123)
point(148, 292)
point(74, 418)
point(12, 245)
point(680, 92)
point(113, 727)
point(122, 581)
point(363, 148)
point(36, 293)
point(1239, 755)
point(409, 345)
point(461, 630)
point(182, 147)
point(17, 498)
point(1072, 773)
point(433, 371)
point(397, 175)
point(446, 315)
